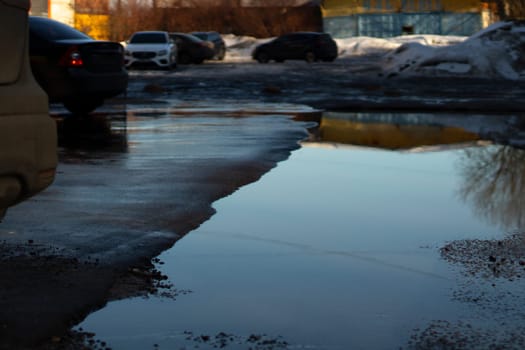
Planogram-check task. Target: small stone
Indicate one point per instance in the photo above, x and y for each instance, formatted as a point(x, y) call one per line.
point(272, 89)
point(55, 339)
point(153, 88)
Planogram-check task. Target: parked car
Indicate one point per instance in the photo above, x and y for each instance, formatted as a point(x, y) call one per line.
point(151, 49)
point(191, 49)
point(28, 140)
point(73, 68)
point(309, 46)
point(219, 47)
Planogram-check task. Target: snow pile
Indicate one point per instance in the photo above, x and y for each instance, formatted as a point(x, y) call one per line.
point(495, 52)
point(372, 46)
point(240, 48)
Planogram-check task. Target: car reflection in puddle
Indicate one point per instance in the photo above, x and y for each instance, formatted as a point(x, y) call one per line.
point(97, 131)
point(341, 246)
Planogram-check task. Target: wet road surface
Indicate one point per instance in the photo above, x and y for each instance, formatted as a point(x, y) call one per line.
point(381, 232)
point(135, 179)
point(128, 186)
point(349, 84)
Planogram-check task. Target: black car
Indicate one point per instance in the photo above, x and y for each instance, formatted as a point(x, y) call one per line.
point(191, 49)
point(73, 68)
point(219, 47)
point(309, 46)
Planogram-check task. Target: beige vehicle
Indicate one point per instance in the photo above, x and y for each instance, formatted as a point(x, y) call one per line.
point(28, 141)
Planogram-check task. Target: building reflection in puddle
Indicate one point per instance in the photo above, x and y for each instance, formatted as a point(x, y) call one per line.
point(391, 132)
point(492, 176)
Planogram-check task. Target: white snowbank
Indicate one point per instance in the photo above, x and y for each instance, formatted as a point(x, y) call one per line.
point(495, 52)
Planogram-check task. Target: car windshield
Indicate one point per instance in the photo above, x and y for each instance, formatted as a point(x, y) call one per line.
point(54, 30)
point(202, 36)
point(148, 38)
point(194, 38)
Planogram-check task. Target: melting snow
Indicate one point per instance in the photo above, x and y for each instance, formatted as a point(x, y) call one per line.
point(497, 51)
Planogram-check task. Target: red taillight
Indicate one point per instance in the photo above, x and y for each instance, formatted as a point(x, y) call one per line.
point(72, 58)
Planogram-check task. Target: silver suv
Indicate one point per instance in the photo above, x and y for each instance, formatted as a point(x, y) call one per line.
point(150, 48)
point(28, 140)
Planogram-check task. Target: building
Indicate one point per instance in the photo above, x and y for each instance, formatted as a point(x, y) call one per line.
point(389, 18)
point(88, 16)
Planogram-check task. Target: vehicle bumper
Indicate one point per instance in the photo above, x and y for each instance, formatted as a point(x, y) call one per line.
point(101, 84)
point(80, 83)
point(162, 62)
point(28, 156)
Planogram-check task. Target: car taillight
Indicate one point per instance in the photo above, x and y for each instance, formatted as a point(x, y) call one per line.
point(72, 58)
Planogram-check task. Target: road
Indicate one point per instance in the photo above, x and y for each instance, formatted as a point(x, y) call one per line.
point(355, 84)
point(145, 170)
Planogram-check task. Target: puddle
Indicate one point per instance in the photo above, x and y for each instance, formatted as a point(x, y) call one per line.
point(339, 247)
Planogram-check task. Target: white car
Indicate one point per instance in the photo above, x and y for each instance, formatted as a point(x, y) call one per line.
point(28, 135)
point(150, 48)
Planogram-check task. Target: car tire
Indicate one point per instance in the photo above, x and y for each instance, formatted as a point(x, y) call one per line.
point(81, 106)
point(221, 54)
point(310, 57)
point(262, 57)
point(171, 64)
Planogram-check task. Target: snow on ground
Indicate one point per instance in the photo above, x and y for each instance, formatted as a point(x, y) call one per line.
point(496, 52)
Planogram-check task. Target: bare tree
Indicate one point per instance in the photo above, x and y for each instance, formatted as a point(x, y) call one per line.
point(510, 9)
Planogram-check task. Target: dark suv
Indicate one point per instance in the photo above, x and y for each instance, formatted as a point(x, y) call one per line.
point(309, 46)
point(218, 43)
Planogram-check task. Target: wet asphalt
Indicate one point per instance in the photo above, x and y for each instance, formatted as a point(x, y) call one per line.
point(144, 170)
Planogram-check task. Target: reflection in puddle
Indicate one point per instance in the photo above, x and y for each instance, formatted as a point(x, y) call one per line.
point(391, 136)
point(94, 132)
point(336, 248)
point(493, 182)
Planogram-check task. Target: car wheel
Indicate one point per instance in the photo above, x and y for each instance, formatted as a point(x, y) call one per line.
point(310, 57)
point(173, 63)
point(221, 54)
point(263, 57)
point(82, 106)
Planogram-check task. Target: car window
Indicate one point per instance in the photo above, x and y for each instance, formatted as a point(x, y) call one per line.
point(203, 36)
point(194, 39)
point(282, 40)
point(148, 38)
point(53, 30)
point(177, 40)
point(213, 36)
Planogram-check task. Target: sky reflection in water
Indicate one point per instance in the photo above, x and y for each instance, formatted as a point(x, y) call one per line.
point(333, 249)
